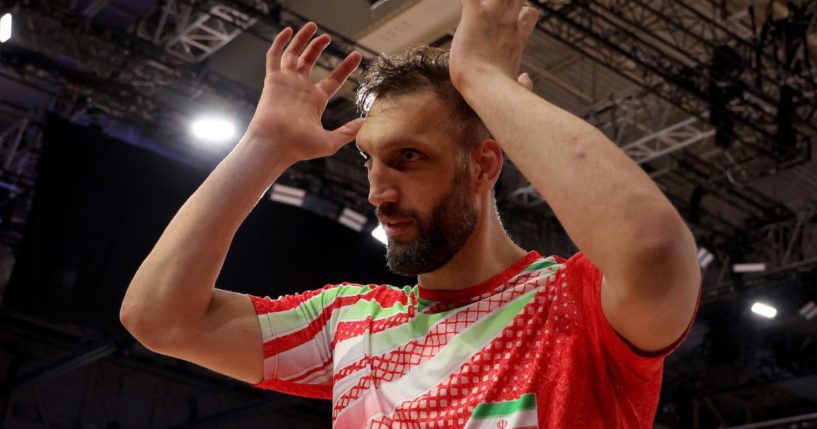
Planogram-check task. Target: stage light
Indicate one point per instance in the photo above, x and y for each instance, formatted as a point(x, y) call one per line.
point(704, 257)
point(380, 234)
point(5, 28)
point(753, 267)
point(213, 129)
point(764, 310)
point(352, 219)
point(809, 311)
point(287, 195)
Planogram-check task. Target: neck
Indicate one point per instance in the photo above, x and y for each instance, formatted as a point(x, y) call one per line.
point(488, 252)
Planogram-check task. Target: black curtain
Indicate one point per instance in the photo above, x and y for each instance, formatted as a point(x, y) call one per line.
point(101, 204)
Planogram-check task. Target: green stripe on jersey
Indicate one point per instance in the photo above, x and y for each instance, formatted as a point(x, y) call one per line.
point(384, 341)
point(540, 265)
point(498, 409)
point(482, 332)
point(300, 316)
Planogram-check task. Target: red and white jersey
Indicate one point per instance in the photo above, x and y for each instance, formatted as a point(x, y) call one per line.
point(528, 348)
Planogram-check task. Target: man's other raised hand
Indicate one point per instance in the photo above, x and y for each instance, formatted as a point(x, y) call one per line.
point(490, 39)
point(287, 121)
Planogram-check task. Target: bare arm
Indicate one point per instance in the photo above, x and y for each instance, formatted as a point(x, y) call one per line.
point(610, 208)
point(171, 305)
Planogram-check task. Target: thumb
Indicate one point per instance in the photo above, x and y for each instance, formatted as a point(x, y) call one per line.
point(345, 134)
point(525, 80)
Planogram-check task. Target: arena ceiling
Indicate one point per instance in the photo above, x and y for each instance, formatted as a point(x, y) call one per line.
point(715, 99)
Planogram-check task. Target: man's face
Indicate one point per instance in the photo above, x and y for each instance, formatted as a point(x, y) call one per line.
point(419, 181)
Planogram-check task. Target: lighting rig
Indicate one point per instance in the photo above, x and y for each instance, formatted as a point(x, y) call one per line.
point(760, 107)
point(153, 77)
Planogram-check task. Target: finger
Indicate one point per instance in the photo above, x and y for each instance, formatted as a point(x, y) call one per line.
point(516, 5)
point(313, 52)
point(525, 80)
point(528, 18)
point(345, 134)
point(277, 48)
point(293, 51)
point(333, 82)
point(467, 4)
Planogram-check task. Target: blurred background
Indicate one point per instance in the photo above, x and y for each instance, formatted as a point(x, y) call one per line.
point(113, 111)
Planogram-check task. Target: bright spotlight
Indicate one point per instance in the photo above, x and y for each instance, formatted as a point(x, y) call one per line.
point(212, 129)
point(380, 234)
point(764, 310)
point(5, 28)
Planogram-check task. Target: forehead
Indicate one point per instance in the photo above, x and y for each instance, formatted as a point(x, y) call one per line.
point(422, 116)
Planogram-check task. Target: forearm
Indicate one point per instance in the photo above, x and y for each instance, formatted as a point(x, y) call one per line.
point(175, 282)
point(604, 200)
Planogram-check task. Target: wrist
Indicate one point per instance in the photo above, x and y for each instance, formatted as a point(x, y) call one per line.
point(478, 78)
point(260, 159)
point(264, 148)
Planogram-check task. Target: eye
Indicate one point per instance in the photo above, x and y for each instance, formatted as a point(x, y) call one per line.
point(409, 155)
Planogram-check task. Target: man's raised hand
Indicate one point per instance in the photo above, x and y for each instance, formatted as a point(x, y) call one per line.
point(287, 120)
point(490, 38)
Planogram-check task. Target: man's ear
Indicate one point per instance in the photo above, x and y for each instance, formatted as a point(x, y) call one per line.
point(487, 161)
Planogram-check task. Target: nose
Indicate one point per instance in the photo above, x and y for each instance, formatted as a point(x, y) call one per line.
point(381, 185)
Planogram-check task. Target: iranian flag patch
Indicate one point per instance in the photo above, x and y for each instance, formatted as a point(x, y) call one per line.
point(518, 414)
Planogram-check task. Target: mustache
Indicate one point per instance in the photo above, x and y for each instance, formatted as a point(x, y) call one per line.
point(392, 210)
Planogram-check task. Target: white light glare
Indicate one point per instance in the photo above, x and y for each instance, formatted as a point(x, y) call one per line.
point(809, 311)
point(5, 28)
point(213, 129)
point(704, 257)
point(751, 267)
point(352, 219)
point(764, 310)
point(380, 234)
point(287, 195)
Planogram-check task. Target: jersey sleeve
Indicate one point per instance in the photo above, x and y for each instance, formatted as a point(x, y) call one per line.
point(297, 332)
point(631, 361)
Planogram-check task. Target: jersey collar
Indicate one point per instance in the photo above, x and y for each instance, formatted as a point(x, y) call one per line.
point(481, 288)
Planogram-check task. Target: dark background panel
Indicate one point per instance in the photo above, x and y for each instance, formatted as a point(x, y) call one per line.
point(101, 205)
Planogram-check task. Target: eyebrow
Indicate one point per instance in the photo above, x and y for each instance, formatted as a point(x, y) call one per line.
point(395, 142)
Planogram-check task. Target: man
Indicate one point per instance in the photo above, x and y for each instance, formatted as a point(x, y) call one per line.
point(492, 336)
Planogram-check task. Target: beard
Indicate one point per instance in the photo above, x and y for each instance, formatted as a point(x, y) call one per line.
point(440, 235)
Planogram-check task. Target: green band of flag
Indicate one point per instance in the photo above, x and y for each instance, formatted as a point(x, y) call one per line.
point(497, 409)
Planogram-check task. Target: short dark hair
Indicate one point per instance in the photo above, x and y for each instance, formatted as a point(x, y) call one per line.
point(414, 70)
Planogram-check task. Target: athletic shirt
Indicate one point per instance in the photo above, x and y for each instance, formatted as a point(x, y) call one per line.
point(527, 348)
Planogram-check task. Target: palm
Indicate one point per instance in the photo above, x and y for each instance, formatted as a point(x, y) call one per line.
point(291, 105)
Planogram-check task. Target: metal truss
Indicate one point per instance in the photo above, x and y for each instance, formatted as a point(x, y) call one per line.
point(190, 33)
point(786, 247)
point(791, 245)
point(129, 76)
point(131, 79)
point(670, 139)
point(614, 35)
point(770, 68)
point(117, 73)
point(634, 111)
point(20, 147)
point(659, 46)
point(116, 383)
point(632, 115)
point(683, 31)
